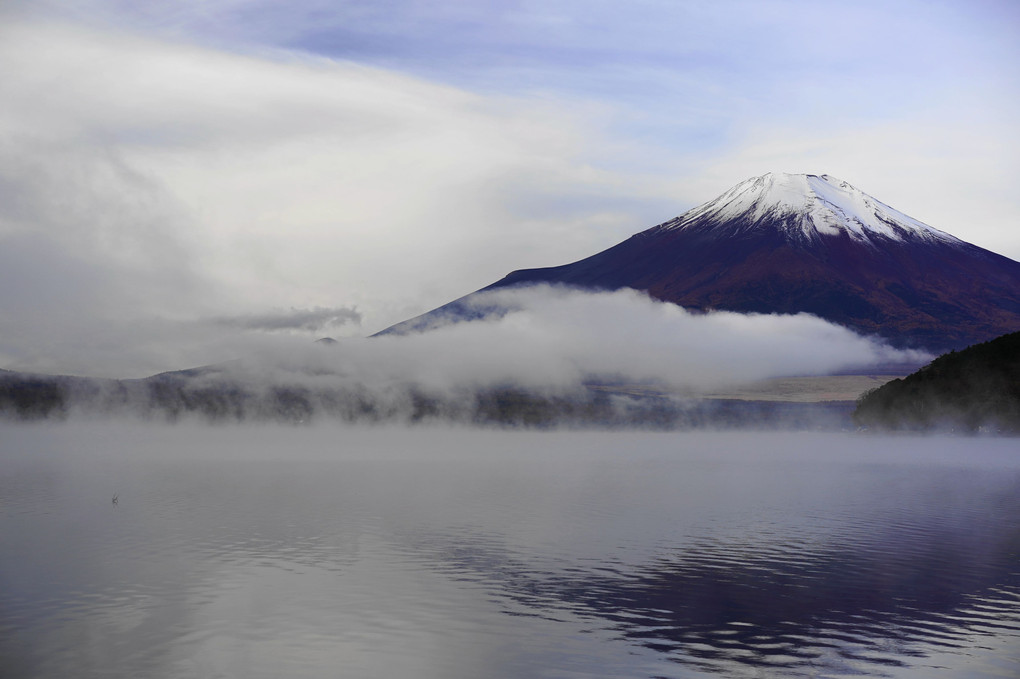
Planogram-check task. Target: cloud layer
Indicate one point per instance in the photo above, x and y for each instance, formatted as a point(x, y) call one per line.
point(153, 184)
point(556, 339)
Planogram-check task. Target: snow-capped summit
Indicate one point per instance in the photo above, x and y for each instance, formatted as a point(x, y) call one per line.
point(808, 206)
point(791, 243)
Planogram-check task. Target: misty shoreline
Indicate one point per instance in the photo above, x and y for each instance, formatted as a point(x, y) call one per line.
point(171, 399)
point(321, 385)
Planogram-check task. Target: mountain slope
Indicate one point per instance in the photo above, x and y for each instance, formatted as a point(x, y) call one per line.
point(784, 243)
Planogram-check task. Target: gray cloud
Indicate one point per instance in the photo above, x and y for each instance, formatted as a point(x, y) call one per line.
point(151, 185)
point(315, 319)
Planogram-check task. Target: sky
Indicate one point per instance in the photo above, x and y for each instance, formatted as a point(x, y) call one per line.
point(182, 183)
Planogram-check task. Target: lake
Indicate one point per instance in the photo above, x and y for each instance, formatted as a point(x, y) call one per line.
point(272, 551)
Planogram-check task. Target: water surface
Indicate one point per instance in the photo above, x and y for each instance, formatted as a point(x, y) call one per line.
point(325, 552)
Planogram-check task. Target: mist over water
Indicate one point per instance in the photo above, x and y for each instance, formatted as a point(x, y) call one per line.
point(267, 551)
point(538, 356)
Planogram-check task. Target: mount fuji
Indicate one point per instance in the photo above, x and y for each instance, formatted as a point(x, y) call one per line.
point(791, 243)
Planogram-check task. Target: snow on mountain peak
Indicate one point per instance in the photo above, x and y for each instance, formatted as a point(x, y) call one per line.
point(810, 206)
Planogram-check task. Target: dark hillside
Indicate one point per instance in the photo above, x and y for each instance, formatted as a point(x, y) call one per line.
point(974, 389)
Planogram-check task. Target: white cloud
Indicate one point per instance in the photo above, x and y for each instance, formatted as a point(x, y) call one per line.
point(556, 338)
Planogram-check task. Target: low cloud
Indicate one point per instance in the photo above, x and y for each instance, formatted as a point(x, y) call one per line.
point(547, 354)
point(309, 320)
point(554, 339)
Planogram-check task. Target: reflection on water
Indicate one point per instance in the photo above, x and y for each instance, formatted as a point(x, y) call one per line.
point(361, 553)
